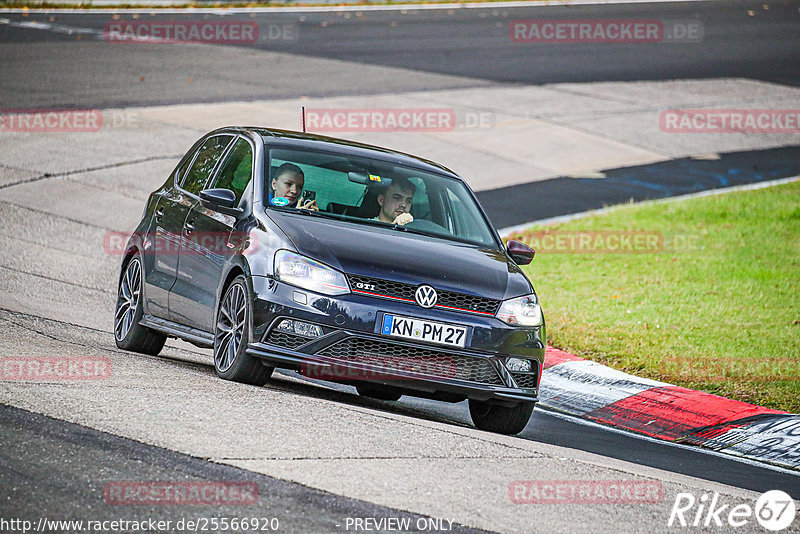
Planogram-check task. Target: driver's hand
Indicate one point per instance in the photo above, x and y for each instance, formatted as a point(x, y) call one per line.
point(310, 205)
point(403, 218)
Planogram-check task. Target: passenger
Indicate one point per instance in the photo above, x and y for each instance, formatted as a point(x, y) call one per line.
point(288, 183)
point(395, 202)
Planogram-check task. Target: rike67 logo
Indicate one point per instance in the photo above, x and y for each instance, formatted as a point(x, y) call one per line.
point(774, 510)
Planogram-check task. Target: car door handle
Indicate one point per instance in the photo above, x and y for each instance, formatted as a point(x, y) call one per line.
point(189, 227)
point(159, 214)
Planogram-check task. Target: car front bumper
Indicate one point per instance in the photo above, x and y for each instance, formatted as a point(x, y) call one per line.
point(353, 350)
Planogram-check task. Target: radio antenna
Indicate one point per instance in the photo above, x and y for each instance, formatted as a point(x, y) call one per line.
point(303, 114)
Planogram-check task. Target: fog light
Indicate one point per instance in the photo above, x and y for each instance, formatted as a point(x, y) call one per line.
point(518, 366)
point(300, 328)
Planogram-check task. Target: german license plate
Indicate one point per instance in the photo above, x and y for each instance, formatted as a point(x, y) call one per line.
point(420, 330)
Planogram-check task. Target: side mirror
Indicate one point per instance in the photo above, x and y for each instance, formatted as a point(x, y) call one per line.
point(221, 200)
point(521, 253)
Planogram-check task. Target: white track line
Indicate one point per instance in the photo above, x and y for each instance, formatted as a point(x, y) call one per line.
point(55, 28)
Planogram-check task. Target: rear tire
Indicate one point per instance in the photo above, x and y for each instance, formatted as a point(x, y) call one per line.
point(378, 392)
point(231, 333)
point(500, 419)
point(128, 333)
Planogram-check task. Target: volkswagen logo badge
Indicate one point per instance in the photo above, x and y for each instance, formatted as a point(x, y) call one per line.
point(426, 296)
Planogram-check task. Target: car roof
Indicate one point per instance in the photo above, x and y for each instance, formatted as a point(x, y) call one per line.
point(293, 139)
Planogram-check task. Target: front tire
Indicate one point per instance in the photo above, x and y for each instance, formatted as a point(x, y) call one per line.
point(500, 419)
point(231, 334)
point(128, 333)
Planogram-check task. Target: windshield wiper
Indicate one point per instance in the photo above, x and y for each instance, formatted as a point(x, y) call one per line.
point(305, 211)
point(447, 237)
point(398, 227)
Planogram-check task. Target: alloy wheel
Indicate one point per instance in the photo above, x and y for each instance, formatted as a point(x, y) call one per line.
point(128, 299)
point(230, 327)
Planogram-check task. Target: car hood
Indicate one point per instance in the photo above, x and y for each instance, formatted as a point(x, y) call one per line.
point(389, 254)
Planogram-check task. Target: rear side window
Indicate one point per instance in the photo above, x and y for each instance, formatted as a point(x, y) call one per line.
point(207, 157)
point(237, 171)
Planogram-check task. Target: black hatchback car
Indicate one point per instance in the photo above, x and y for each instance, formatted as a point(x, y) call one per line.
point(342, 261)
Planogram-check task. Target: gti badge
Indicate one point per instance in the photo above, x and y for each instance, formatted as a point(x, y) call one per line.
point(426, 296)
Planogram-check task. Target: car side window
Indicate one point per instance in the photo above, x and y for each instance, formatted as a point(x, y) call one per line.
point(237, 170)
point(181, 172)
point(207, 156)
point(420, 206)
point(462, 222)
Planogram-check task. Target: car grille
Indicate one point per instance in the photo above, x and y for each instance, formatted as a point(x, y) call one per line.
point(526, 380)
point(422, 361)
point(289, 341)
point(399, 290)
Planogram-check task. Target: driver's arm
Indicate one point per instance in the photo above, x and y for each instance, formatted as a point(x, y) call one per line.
point(403, 218)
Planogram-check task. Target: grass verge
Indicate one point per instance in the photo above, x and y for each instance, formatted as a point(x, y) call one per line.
point(701, 292)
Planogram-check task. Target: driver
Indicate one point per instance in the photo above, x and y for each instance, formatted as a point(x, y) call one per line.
point(288, 183)
point(395, 202)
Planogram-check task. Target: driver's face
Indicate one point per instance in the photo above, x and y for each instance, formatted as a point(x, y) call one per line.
point(288, 186)
point(394, 202)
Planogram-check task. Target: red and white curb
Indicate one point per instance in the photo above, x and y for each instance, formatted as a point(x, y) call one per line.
point(589, 390)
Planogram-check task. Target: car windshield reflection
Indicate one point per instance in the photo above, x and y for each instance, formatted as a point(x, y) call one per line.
point(375, 192)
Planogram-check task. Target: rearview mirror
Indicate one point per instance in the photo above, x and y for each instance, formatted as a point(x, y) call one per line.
point(358, 177)
point(521, 253)
point(367, 179)
point(221, 200)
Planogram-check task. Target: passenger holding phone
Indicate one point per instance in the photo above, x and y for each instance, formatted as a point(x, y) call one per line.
point(288, 184)
point(309, 201)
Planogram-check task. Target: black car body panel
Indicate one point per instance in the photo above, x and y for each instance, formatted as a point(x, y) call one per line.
point(384, 252)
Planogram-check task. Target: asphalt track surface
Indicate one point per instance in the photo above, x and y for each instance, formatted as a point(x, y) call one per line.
point(568, 195)
point(58, 471)
point(46, 464)
point(469, 47)
point(565, 431)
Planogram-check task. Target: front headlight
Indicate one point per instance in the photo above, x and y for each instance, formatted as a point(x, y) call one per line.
point(309, 274)
point(521, 311)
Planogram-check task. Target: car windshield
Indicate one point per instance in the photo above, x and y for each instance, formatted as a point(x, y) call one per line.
point(374, 192)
